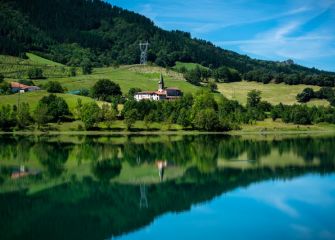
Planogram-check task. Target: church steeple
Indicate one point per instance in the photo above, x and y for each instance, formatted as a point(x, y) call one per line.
point(161, 83)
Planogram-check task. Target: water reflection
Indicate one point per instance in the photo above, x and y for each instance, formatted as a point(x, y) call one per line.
point(106, 169)
point(114, 185)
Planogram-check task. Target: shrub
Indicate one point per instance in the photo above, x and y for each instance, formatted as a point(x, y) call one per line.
point(105, 89)
point(207, 119)
point(90, 114)
point(54, 87)
point(35, 73)
point(57, 108)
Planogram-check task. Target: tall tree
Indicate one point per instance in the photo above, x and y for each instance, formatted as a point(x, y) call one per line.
point(253, 98)
point(90, 115)
point(105, 90)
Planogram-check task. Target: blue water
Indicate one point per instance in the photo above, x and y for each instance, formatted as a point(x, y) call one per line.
point(302, 208)
point(211, 187)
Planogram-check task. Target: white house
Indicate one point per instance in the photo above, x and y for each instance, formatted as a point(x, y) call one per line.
point(149, 95)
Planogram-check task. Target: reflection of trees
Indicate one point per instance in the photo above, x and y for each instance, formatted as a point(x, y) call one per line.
point(107, 169)
point(200, 150)
point(17, 148)
point(92, 150)
point(178, 152)
point(205, 153)
point(232, 148)
point(53, 155)
point(7, 147)
point(257, 149)
point(23, 147)
point(317, 148)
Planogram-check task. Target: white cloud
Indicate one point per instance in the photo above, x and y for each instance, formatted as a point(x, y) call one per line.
point(280, 195)
point(277, 43)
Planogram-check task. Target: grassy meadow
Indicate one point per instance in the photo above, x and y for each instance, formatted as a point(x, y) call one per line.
point(33, 97)
point(273, 93)
point(144, 77)
point(188, 66)
point(127, 77)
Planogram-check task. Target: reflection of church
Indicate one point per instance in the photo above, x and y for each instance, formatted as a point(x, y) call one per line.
point(161, 165)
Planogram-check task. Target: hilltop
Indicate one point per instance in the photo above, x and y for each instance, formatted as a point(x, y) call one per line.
point(82, 32)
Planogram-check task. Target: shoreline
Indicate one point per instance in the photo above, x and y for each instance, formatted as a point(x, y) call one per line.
point(180, 132)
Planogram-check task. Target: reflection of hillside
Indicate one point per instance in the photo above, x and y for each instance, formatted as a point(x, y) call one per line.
point(133, 159)
point(95, 210)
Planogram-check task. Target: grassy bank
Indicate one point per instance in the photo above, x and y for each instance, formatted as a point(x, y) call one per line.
point(118, 127)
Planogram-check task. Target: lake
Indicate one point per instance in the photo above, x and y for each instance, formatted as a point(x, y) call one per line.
point(167, 187)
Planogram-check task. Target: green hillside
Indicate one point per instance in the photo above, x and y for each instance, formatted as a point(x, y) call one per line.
point(78, 32)
point(187, 66)
point(42, 61)
point(33, 97)
point(129, 76)
point(17, 68)
point(273, 93)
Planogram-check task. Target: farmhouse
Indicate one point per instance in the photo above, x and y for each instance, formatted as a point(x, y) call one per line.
point(19, 87)
point(161, 94)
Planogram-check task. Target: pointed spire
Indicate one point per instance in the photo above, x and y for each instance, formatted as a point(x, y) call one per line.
point(161, 80)
point(161, 83)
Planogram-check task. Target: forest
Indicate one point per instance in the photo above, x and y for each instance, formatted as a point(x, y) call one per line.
point(93, 33)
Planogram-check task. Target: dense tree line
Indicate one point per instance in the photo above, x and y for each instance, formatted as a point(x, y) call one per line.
point(307, 94)
point(94, 33)
point(202, 74)
point(49, 109)
point(290, 75)
point(200, 111)
point(302, 114)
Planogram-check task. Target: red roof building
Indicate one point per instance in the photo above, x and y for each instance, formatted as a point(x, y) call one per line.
point(17, 87)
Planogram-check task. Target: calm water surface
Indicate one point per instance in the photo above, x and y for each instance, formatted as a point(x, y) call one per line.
point(169, 187)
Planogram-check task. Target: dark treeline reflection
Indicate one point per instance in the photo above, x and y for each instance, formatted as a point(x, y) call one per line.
point(107, 154)
point(92, 207)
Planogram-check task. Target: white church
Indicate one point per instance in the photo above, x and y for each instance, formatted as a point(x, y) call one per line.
point(161, 94)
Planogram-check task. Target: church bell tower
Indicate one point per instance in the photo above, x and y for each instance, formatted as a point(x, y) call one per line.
point(161, 84)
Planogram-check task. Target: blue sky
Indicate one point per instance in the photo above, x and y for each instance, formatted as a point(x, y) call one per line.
point(303, 30)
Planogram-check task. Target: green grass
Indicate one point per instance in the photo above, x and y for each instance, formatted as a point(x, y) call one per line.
point(41, 61)
point(268, 125)
point(127, 77)
point(14, 68)
point(144, 77)
point(273, 93)
point(33, 97)
point(188, 66)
